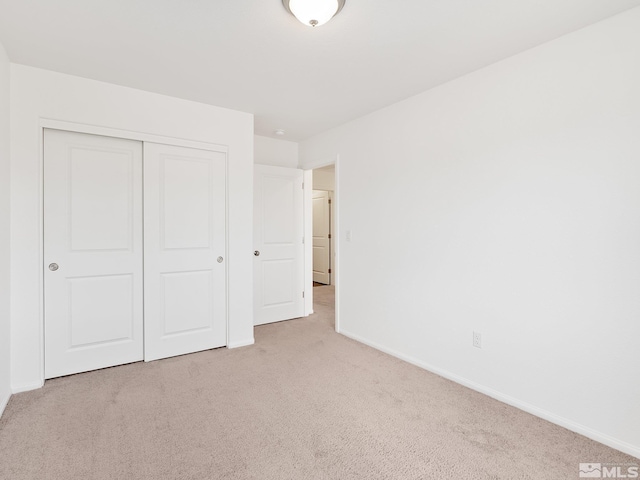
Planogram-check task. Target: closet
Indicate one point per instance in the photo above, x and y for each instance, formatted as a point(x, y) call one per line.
point(134, 251)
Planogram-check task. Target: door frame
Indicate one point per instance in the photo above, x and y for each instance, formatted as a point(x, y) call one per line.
point(52, 124)
point(308, 233)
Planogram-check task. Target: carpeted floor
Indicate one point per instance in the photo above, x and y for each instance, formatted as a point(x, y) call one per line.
point(303, 403)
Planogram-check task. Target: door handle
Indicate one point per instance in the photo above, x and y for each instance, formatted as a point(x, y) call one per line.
point(220, 259)
point(53, 267)
point(256, 253)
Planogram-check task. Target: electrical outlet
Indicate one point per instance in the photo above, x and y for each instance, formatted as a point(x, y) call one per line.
point(477, 340)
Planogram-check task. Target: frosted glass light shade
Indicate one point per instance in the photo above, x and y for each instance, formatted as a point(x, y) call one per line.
point(313, 12)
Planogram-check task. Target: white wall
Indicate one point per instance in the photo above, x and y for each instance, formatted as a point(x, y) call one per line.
point(39, 94)
point(5, 383)
point(324, 179)
point(275, 152)
point(506, 202)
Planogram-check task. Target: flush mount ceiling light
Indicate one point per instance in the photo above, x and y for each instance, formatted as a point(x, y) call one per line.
point(313, 12)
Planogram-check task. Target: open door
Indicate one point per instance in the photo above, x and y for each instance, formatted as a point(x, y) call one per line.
point(321, 237)
point(278, 243)
point(92, 251)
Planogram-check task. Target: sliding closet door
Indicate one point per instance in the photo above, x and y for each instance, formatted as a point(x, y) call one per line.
point(184, 242)
point(92, 252)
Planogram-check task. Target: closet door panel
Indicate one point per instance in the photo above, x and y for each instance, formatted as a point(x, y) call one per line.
point(92, 252)
point(185, 243)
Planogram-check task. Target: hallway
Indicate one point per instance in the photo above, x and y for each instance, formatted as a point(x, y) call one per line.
point(324, 303)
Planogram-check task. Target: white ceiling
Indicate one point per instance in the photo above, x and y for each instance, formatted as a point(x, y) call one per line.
point(252, 55)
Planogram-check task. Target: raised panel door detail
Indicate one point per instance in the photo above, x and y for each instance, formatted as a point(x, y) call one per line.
point(100, 199)
point(185, 202)
point(187, 302)
point(93, 301)
point(320, 261)
point(278, 210)
point(185, 233)
point(101, 310)
point(278, 230)
point(281, 292)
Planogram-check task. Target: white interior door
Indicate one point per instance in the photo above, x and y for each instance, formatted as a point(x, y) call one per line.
point(92, 252)
point(321, 237)
point(185, 243)
point(278, 239)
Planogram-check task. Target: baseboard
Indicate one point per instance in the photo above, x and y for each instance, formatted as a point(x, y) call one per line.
point(600, 437)
point(27, 387)
point(3, 403)
point(241, 343)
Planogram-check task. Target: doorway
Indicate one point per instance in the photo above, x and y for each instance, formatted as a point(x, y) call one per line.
point(322, 272)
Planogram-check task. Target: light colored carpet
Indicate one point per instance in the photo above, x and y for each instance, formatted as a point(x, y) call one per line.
point(303, 403)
